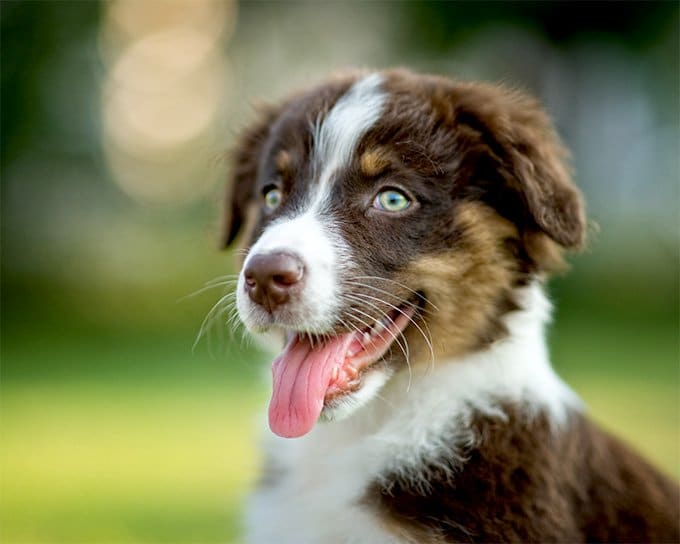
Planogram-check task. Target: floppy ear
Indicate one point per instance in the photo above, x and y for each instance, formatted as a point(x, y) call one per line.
point(530, 157)
point(537, 162)
point(245, 165)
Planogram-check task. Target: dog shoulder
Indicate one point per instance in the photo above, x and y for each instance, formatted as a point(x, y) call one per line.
point(525, 480)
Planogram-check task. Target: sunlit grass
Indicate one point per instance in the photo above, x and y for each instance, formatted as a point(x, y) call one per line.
point(127, 465)
point(628, 374)
point(645, 416)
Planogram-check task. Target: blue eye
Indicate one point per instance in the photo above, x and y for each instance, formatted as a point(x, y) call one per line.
point(273, 198)
point(391, 200)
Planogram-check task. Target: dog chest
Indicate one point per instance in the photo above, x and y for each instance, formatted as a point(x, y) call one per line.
point(315, 494)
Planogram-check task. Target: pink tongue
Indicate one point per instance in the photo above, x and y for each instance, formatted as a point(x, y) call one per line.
point(302, 375)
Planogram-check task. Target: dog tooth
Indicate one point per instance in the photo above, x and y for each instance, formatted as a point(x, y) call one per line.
point(379, 327)
point(335, 373)
point(366, 337)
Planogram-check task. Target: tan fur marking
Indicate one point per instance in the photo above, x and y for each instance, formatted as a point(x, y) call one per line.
point(545, 252)
point(470, 285)
point(374, 162)
point(283, 162)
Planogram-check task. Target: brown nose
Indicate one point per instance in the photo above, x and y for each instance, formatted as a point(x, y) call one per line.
point(272, 278)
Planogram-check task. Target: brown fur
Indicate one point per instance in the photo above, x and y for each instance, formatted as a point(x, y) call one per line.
point(513, 130)
point(240, 192)
point(525, 481)
point(461, 133)
point(257, 160)
point(494, 209)
point(534, 156)
point(474, 279)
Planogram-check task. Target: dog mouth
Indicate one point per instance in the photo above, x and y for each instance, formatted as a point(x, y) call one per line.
point(311, 374)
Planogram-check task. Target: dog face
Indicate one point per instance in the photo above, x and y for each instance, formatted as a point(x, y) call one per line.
point(389, 218)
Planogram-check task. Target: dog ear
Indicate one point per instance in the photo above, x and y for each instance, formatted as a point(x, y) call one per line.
point(245, 164)
point(533, 161)
point(538, 163)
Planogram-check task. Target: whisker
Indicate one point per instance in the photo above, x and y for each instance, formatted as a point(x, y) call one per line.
point(217, 282)
point(209, 285)
point(398, 298)
point(425, 337)
point(245, 337)
point(233, 322)
point(367, 325)
point(348, 326)
point(217, 323)
point(208, 318)
point(389, 403)
point(405, 350)
point(380, 278)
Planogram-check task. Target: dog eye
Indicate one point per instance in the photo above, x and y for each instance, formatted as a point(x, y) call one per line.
point(391, 200)
point(272, 198)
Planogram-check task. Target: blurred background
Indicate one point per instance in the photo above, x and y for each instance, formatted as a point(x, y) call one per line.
point(115, 121)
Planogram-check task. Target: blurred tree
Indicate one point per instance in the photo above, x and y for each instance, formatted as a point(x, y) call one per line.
point(439, 25)
point(35, 35)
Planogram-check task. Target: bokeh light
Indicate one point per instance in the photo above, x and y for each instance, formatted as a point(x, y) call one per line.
point(164, 90)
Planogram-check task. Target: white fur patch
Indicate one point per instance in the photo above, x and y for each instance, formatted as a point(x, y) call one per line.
point(337, 135)
point(322, 252)
point(325, 473)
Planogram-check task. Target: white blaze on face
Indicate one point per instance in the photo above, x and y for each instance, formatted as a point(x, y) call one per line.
point(336, 138)
point(310, 234)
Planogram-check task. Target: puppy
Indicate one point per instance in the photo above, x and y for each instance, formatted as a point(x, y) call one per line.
point(399, 231)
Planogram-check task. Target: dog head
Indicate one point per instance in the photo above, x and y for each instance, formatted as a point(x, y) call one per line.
point(389, 218)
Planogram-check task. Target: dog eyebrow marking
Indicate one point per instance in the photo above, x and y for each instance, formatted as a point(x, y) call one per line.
point(283, 162)
point(335, 137)
point(374, 162)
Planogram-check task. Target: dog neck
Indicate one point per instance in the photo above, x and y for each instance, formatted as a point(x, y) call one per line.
point(420, 417)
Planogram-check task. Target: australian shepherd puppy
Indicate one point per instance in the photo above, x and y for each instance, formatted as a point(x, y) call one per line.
point(399, 231)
